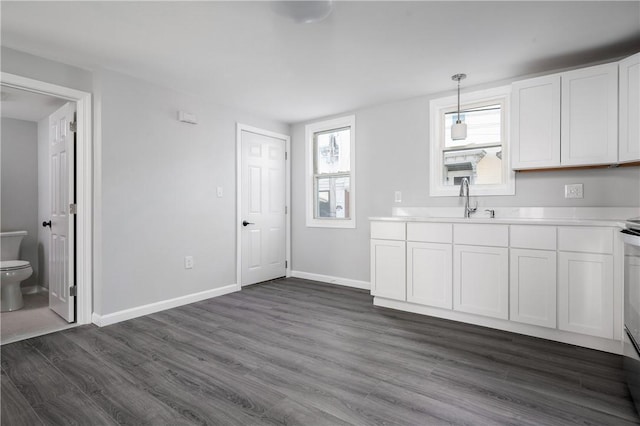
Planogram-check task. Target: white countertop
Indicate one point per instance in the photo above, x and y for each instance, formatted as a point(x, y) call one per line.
point(507, 221)
point(553, 216)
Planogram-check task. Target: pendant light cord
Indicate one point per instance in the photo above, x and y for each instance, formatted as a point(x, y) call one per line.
point(458, 101)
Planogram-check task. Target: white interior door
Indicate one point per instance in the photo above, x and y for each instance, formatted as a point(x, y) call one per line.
point(263, 227)
point(62, 241)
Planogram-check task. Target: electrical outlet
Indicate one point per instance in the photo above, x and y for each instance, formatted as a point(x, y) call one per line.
point(573, 191)
point(398, 197)
point(188, 262)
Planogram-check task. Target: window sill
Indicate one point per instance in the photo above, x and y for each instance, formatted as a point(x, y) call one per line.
point(331, 223)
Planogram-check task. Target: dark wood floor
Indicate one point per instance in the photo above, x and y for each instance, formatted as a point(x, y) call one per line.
point(298, 352)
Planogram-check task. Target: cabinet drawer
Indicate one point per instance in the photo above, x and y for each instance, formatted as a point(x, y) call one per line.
point(388, 230)
point(430, 232)
point(481, 235)
point(586, 240)
point(533, 237)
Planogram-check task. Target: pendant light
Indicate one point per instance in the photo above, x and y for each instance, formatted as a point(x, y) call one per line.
point(458, 129)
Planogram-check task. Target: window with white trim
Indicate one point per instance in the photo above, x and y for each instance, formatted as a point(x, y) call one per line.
point(483, 157)
point(330, 173)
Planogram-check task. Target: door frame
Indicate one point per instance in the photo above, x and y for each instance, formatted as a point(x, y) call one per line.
point(287, 166)
point(84, 183)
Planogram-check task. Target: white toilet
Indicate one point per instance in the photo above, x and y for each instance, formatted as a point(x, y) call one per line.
point(12, 270)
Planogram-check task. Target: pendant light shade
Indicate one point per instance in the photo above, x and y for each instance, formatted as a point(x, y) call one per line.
point(459, 131)
point(459, 128)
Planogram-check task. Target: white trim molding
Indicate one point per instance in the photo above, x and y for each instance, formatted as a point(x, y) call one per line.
point(84, 183)
point(346, 282)
point(598, 343)
point(310, 130)
point(287, 165)
point(138, 311)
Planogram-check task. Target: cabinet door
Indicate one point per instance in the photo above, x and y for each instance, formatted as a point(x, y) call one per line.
point(481, 280)
point(630, 109)
point(429, 270)
point(388, 269)
point(585, 293)
point(535, 115)
point(533, 287)
point(589, 129)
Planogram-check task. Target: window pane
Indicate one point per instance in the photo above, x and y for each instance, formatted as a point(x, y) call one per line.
point(480, 166)
point(483, 126)
point(332, 151)
point(332, 197)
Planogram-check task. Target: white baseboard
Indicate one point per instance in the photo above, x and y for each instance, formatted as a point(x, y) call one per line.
point(126, 314)
point(598, 343)
point(33, 289)
point(332, 280)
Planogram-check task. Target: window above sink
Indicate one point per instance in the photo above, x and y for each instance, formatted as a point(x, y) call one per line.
point(483, 156)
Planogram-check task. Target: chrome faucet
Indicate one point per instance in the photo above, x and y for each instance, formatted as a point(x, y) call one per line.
point(464, 192)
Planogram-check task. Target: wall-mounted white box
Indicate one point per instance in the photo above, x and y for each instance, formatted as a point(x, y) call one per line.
point(574, 190)
point(187, 117)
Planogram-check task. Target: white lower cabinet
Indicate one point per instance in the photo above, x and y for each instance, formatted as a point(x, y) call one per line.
point(481, 280)
point(388, 269)
point(532, 283)
point(585, 293)
point(429, 270)
point(562, 278)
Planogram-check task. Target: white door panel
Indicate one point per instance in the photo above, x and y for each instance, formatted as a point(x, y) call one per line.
point(62, 248)
point(429, 274)
point(585, 293)
point(263, 242)
point(533, 287)
point(388, 269)
point(481, 280)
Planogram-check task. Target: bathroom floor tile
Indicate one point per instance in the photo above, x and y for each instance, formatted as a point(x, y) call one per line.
point(34, 319)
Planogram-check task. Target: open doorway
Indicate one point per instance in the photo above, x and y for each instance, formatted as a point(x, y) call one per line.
point(46, 255)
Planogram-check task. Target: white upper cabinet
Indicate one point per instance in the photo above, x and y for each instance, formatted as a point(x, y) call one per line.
point(630, 109)
point(589, 130)
point(571, 119)
point(535, 131)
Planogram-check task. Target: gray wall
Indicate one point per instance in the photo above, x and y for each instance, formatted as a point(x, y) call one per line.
point(158, 193)
point(44, 204)
point(154, 185)
point(392, 154)
point(37, 68)
point(19, 188)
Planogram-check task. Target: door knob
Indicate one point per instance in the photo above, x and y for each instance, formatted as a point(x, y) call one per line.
point(245, 223)
point(45, 224)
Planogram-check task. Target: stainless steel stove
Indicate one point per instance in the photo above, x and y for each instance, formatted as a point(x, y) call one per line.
point(631, 237)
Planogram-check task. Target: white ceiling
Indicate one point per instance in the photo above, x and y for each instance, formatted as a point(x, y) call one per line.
point(250, 56)
point(28, 106)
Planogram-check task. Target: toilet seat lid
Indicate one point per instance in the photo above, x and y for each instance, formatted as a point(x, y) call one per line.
point(9, 265)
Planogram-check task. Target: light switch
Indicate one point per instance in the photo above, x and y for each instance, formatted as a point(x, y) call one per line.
point(188, 262)
point(398, 197)
point(219, 192)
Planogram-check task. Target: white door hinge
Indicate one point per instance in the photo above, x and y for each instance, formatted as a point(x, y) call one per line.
point(286, 156)
point(73, 126)
point(73, 291)
point(73, 208)
point(286, 210)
